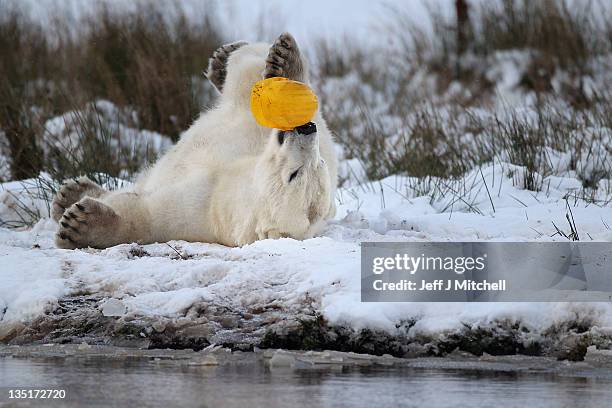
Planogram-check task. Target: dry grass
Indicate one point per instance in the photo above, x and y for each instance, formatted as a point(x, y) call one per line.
point(147, 60)
point(140, 59)
point(558, 34)
point(422, 106)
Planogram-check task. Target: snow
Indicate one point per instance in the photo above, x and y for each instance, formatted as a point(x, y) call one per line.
point(323, 273)
point(26, 289)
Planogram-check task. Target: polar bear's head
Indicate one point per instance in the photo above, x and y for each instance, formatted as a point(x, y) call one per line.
point(295, 180)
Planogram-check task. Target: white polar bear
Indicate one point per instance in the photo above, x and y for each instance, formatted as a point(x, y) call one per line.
point(228, 180)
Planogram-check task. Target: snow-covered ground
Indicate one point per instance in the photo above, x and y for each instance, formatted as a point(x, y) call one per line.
point(319, 275)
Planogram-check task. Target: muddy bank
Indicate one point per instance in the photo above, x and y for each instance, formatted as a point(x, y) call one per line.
point(86, 319)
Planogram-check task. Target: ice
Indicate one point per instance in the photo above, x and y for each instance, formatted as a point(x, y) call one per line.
point(282, 359)
point(113, 308)
point(206, 360)
point(598, 357)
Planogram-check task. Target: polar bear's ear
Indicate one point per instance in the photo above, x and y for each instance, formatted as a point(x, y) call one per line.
point(217, 64)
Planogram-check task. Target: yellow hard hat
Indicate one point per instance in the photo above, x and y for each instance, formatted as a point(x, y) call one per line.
point(281, 103)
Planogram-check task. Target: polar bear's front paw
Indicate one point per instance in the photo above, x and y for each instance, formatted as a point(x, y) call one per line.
point(71, 192)
point(217, 64)
point(87, 223)
point(284, 59)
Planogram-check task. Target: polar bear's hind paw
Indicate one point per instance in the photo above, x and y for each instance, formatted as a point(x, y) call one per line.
point(284, 59)
point(87, 223)
point(217, 64)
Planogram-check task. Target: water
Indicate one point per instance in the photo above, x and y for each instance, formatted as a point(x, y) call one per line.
point(249, 382)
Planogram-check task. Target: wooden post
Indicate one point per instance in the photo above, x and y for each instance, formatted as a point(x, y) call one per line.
point(462, 29)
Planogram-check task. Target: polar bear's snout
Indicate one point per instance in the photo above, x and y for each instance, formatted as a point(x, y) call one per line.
point(302, 141)
point(301, 135)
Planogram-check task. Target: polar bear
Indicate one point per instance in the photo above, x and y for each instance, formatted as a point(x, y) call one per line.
point(228, 180)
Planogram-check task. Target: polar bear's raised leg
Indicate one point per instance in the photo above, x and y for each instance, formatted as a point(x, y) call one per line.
point(285, 60)
point(71, 192)
point(121, 218)
point(217, 64)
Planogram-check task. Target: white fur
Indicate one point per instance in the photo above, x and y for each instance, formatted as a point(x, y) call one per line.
point(226, 180)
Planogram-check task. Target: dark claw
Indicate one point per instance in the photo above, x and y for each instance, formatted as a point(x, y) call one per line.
point(66, 225)
point(71, 215)
point(66, 237)
point(275, 65)
point(80, 207)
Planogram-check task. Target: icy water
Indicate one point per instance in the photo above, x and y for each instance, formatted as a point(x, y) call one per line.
point(105, 383)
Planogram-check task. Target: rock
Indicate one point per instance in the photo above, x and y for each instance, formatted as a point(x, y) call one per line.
point(159, 326)
point(286, 327)
point(197, 331)
point(182, 322)
point(415, 349)
point(572, 347)
point(84, 346)
point(113, 308)
point(228, 322)
point(9, 330)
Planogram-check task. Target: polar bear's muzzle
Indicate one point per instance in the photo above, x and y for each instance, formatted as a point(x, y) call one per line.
point(298, 133)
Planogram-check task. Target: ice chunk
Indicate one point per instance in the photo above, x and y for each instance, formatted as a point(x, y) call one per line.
point(282, 359)
point(206, 360)
point(113, 307)
point(593, 355)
